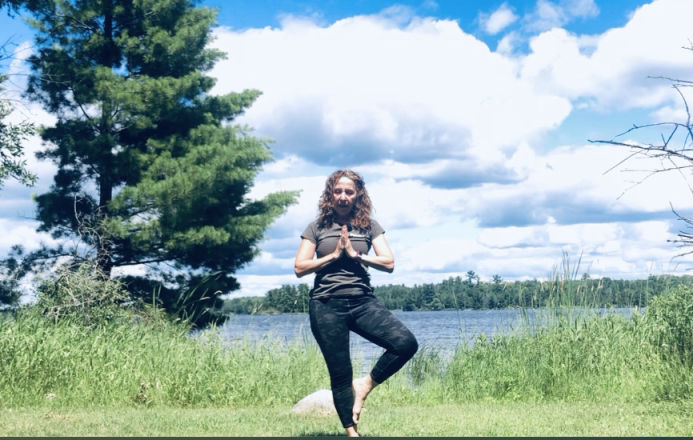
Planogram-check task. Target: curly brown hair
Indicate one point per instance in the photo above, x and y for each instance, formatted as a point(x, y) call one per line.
point(361, 211)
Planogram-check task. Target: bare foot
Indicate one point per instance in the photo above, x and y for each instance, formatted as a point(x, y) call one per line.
point(362, 387)
point(352, 432)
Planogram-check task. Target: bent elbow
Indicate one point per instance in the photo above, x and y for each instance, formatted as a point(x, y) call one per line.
point(300, 271)
point(390, 267)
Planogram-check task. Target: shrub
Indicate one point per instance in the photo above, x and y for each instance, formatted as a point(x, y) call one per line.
point(81, 292)
point(669, 319)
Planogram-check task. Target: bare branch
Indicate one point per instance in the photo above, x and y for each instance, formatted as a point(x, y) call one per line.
point(673, 80)
point(674, 154)
point(636, 184)
point(620, 163)
point(640, 127)
point(679, 170)
point(685, 103)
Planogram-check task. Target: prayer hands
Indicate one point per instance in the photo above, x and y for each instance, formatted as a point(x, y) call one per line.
point(344, 244)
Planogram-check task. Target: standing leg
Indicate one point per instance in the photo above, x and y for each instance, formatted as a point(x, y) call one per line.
point(375, 322)
point(331, 332)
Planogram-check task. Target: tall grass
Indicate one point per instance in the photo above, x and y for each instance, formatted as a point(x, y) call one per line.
point(570, 350)
point(145, 361)
point(128, 358)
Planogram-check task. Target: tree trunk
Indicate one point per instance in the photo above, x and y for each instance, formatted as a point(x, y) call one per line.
point(103, 258)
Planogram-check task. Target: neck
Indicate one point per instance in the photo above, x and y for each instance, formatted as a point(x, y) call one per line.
point(342, 218)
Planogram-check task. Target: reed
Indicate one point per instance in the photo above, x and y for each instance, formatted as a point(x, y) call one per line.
point(572, 350)
point(130, 358)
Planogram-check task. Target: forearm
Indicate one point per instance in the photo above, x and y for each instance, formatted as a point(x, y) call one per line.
point(308, 266)
point(379, 262)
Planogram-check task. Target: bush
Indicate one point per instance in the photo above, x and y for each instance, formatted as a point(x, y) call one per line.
point(81, 292)
point(669, 320)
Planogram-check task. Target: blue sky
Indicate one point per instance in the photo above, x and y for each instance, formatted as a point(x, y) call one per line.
point(258, 14)
point(469, 120)
point(243, 14)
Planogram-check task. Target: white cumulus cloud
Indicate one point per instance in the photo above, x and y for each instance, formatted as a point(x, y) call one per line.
point(498, 20)
point(548, 14)
point(612, 71)
point(366, 89)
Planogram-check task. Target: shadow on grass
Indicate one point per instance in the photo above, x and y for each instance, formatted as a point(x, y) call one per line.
point(320, 434)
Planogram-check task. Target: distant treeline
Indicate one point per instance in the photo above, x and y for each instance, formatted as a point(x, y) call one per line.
point(471, 293)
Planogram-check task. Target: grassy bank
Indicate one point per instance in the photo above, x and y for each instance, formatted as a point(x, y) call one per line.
point(571, 375)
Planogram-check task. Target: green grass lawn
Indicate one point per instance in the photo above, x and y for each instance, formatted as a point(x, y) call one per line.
point(492, 418)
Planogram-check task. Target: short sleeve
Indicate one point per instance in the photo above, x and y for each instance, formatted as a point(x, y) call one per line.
point(376, 229)
point(311, 233)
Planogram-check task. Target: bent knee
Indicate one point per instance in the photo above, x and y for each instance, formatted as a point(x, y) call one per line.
point(408, 347)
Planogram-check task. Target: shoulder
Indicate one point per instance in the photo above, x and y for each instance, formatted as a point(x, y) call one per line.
point(376, 229)
point(315, 233)
point(311, 232)
point(313, 224)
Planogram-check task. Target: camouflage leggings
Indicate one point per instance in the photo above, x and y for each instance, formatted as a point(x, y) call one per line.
point(332, 318)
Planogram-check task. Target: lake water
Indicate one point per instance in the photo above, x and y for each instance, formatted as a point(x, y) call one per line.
point(441, 330)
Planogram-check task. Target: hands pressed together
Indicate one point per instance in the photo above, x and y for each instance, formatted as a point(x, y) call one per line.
point(305, 263)
point(344, 245)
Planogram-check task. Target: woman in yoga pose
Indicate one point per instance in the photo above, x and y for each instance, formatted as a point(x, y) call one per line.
point(335, 246)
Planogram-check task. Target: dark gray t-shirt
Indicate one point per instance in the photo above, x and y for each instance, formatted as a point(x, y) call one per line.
point(345, 276)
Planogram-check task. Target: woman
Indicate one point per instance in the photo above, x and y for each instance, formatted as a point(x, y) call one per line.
point(342, 298)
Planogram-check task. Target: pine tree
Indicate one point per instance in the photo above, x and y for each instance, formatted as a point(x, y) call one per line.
point(150, 170)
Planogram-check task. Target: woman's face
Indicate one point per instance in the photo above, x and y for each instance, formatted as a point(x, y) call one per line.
point(343, 196)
